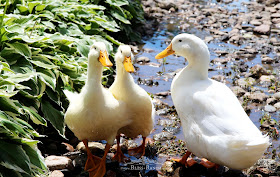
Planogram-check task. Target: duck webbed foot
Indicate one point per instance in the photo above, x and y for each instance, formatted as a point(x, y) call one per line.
point(91, 159)
point(119, 156)
point(100, 168)
point(138, 151)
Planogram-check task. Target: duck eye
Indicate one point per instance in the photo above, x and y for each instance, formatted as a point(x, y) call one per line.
point(121, 51)
point(180, 40)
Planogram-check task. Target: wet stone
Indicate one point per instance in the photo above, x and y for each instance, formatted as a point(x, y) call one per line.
point(257, 71)
point(174, 130)
point(245, 82)
point(257, 97)
point(269, 79)
point(166, 122)
point(93, 146)
point(238, 91)
point(262, 29)
point(269, 108)
point(142, 60)
point(162, 94)
point(266, 59)
point(271, 101)
point(277, 105)
point(58, 162)
point(276, 95)
point(167, 167)
point(163, 136)
point(219, 78)
point(56, 173)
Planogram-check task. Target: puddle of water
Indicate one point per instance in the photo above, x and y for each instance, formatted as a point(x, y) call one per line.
point(158, 42)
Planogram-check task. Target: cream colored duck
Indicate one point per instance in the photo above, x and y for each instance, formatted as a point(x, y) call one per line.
point(138, 101)
point(94, 114)
point(215, 125)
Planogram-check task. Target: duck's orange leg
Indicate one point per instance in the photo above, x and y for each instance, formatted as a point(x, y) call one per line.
point(138, 151)
point(91, 159)
point(206, 163)
point(183, 159)
point(119, 156)
point(100, 169)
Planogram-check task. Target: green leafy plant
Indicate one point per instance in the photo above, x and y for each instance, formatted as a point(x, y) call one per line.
point(43, 50)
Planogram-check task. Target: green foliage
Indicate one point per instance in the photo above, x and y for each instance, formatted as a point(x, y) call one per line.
point(43, 49)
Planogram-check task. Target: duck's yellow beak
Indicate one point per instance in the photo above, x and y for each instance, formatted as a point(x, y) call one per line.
point(128, 65)
point(165, 52)
point(104, 59)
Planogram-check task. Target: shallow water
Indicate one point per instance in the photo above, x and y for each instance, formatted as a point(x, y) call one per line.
point(161, 74)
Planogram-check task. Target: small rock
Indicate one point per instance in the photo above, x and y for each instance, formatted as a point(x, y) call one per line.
point(219, 78)
point(245, 82)
point(255, 22)
point(167, 167)
point(276, 95)
point(266, 59)
point(269, 108)
point(221, 60)
point(166, 122)
point(262, 29)
point(162, 94)
point(93, 146)
point(277, 105)
point(257, 97)
point(257, 71)
point(238, 91)
point(271, 101)
point(163, 136)
point(269, 78)
point(56, 173)
point(58, 163)
point(163, 111)
point(142, 60)
point(173, 130)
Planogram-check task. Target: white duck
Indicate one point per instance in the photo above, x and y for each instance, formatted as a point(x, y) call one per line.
point(94, 114)
point(215, 125)
point(138, 101)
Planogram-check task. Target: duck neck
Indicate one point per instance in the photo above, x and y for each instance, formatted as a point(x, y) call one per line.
point(94, 76)
point(198, 65)
point(122, 75)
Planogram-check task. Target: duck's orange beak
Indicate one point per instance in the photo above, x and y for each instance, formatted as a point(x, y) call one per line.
point(165, 52)
point(104, 59)
point(128, 65)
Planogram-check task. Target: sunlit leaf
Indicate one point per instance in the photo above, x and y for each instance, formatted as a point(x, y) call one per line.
point(55, 116)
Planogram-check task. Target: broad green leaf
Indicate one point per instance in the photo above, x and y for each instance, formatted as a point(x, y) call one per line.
point(22, 8)
point(55, 116)
point(117, 2)
point(108, 25)
point(13, 156)
point(31, 5)
point(6, 104)
point(16, 28)
point(22, 49)
point(49, 24)
point(43, 62)
point(35, 157)
point(120, 15)
point(17, 78)
point(10, 125)
point(83, 49)
point(4, 93)
point(34, 116)
point(40, 7)
point(48, 77)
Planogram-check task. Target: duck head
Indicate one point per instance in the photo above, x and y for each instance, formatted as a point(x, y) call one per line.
point(188, 46)
point(98, 55)
point(124, 58)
